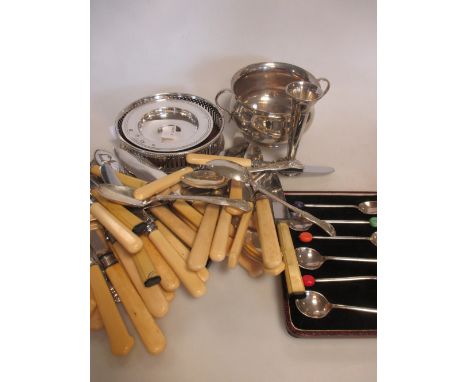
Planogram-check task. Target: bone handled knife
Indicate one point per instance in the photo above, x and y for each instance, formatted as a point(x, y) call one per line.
point(292, 273)
point(149, 332)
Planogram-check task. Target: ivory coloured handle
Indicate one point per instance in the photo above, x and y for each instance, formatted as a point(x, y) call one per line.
point(169, 280)
point(148, 330)
point(152, 297)
point(121, 233)
point(200, 159)
point(188, 212)
point(121, 342)
point(175, 224)
point(189, 279)
point(158, 185)
point(219, 244)
point(181, 249)
point(238, 241)
point(294, 283)
point(199, 206)
point(271, 252)
point(146, 270)
point(201, 246)
point(236, 191)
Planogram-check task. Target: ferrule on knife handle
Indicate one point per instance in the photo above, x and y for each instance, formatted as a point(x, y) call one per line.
point(152, 297)
point(121, 342)
point(293, 276)
point(169, 280)
point(122, 234)
point(149, 332)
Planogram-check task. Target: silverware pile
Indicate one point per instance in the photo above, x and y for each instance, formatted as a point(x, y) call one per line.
point(148, 236)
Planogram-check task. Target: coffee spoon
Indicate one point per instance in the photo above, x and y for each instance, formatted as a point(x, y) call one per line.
point(372, 238)
point(368, 207)
point(310, 280)
point(299, 224)
point(315, 305)
point(310, 258)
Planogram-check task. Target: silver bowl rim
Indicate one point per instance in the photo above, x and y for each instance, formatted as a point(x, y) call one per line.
point(266, 66)
point(156, 154)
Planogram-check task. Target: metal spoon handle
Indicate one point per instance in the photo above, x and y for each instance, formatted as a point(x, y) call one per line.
point(351, 278)
point(359, 259)
point(348, 221)
point(327, 227)
point(278, 166)
point(343, 237)
point(331, 205)
point(218, 200)
point(356, 308)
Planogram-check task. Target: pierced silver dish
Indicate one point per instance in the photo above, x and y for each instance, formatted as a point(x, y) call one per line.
point(166, 126)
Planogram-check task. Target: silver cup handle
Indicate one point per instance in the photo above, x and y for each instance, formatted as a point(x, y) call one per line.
point(327, 86)
point(217, 103)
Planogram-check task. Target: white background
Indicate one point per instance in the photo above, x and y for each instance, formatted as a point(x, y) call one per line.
point(421, 158)
point(237, 331)
point(145, 47)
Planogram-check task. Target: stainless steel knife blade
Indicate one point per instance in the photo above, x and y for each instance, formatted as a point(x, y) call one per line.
point(98, 244)
point(279, 210)
point(317, 170)
point(138, 166)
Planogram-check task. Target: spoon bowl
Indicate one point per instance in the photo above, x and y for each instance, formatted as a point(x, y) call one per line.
point(229, 170)
point(373, 238)
point(311, 259)
point(315, 305)
point(204, 179)
point(368, 208)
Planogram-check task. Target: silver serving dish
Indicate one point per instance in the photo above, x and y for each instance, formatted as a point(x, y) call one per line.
point(166, 126)
point(261, 107)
